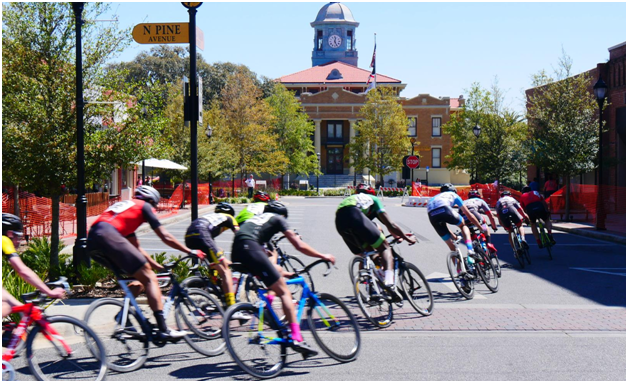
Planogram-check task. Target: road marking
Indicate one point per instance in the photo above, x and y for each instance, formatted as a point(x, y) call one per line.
point(445, 280)
point(601, 270)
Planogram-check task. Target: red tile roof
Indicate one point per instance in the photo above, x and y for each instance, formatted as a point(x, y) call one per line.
point(319, 74)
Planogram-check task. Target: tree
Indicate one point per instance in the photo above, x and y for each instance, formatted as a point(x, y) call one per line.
point(563, 121)
point(39, 121)
point(381, 139)
point(293, 129)
point(498, 152)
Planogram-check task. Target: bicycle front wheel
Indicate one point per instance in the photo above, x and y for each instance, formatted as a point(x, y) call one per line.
point(201, 315)
point(253, 341)
point(526, 253)
point(464, 286)
point(65, 348)
point(495, 261)
point(334, 328)
point(487, 272)
point(126, 345)
point(416, 289)
point(518, 249)
point(375, 308)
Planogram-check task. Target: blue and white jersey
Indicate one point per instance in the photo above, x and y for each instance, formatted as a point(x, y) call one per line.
point(444, 199)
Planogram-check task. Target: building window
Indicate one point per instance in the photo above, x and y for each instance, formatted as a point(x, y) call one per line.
point(436, 131)
point(349, 40)
point(436, 157)
point(411, 126)
point(319, 40)
point(334, 131)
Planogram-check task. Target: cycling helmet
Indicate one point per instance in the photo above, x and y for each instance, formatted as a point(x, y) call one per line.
point(448, 187)
point(505, 193)
point(526, 189)
point(261, 196)
point(474, 194)
point(364, 188)
point(225, 208)
point(11, 222)
point(277, 208)
point(148, 194)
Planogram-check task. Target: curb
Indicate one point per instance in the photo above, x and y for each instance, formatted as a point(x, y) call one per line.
point(591, 234)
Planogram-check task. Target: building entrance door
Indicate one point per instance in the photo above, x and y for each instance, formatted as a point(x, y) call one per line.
point(334, 160)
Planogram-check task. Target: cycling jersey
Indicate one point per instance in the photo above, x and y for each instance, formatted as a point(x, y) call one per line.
point(506, 203)
point(477, 207)
point(251, 210)
point(368, 204)
point(8, 250)
point(508, 210)
point(450, 199)
point(533, 205)
point(261, 228)
point(530, 198)
point(440, 213)
point(201, 233)
point(127, 216)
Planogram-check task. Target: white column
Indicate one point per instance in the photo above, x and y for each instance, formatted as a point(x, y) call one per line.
point(351, 135)
point(317, 136)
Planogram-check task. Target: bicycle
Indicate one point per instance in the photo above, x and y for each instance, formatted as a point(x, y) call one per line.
point(464, 284)
point(128, 332)
point(545, 241)
point(484, 266)
point(376, 300)
point(521, 252)
point(58, 346)
point(259, 344)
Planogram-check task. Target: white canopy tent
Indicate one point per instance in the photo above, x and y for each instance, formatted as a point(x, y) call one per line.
point(161, 164)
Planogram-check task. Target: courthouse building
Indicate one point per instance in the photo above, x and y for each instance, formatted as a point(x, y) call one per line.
point(332, 92)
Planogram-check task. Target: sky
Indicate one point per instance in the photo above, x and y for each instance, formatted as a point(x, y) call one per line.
point(435, 48)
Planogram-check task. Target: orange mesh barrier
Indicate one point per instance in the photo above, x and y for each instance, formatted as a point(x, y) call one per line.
point(36, 215)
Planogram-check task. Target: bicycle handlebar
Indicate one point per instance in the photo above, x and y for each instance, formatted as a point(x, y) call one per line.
point(313, 264)
point(38, 297)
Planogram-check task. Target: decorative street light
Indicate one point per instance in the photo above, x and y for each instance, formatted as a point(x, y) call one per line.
point(318, 157)
point(599, 89)
point(476, 132)
point(208, 133)
point(412, 141)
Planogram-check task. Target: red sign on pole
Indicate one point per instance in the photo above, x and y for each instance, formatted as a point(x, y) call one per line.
point(412, 162)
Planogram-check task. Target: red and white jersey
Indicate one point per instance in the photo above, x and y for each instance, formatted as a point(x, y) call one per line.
point(127, 216)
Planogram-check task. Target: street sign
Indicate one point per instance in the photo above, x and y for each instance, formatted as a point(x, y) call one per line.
point(412, 162)
point(161, 33)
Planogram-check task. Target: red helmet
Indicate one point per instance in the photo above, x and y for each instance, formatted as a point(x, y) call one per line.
point(261, 196)
point(364, 188)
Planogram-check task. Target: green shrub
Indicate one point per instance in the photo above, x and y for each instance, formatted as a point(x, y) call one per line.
point(37, 257)
point(334, 192)
point(160, 257)
point(89, 276)
point(244, 200)
point(182, 270)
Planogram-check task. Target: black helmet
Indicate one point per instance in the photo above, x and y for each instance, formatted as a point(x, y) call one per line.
point(261, 196)
point(366, 189)
point(526, 189)
point(505, 193)
point(277, 208)
point(148, 194)
point(474, 194)
point(225, 208)
point(11, 222)
point(448, 187)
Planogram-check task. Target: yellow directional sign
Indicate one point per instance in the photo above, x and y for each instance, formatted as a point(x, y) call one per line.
point(161, 33)
point(191, 5)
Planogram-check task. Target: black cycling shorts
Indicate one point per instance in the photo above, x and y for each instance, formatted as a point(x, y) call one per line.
point(536, 210)
point(478, 216)
point(254, 258)
point(105, 240)
point(198, 237)
point(357, 230)
point(440, 217)
point(510, 216)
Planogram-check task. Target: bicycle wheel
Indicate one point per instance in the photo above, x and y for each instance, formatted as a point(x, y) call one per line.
point(291, 263)
point(545, 239)
point(8, 372)
point(518, 249)
point(201, 315)
point(526, 254)
point(126, 346)
point(334, 328)
point(495, 261)
point(464, 286)
point(486, 270)
point(252, 341)
point(76, 353)
point(416, 289)
point(355, 265)
point(377, 310)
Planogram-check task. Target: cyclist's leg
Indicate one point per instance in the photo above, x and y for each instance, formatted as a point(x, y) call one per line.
point(8, 302)
point(535, 230)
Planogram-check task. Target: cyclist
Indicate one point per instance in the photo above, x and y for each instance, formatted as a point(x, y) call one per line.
point(354, 223)
point(440, 211)
point(248, 249)
point(11, 236)
point(509, 212)
point(112, 237)
point(200, 235)
point(536, 208)
point(479, 208)
point(260, 200)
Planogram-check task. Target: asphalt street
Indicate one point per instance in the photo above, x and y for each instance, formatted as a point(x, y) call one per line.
point(560, 319)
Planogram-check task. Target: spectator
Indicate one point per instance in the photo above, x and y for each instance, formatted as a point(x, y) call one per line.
point(250, 183)
point(139, 181)
point(550, 187)
point(534, 185)
point(147, 181)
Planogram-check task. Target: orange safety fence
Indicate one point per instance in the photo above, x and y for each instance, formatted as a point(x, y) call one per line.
point(36, 215)
point(583, 202)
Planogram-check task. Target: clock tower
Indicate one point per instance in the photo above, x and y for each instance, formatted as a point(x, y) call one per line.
point(334, 35)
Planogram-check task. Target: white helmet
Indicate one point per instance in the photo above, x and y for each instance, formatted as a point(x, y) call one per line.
point(148, 194)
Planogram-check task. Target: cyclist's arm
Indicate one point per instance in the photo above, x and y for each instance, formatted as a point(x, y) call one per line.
point(33, 279)
point(471, 217)
point(170, 240)
point(153, 264)
point(393, 228)
point(305, 248)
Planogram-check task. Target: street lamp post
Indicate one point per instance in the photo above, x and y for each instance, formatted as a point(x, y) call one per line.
point(412, 141)
point(600, 94)
point(318, 157)
point(476, 132)
point(80, 246)
point(427, 176)
point(208, 133)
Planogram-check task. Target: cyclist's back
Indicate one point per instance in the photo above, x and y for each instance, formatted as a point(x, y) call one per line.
point(260, 200)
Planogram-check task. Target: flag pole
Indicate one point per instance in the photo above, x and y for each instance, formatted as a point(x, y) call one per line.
point(374, 64)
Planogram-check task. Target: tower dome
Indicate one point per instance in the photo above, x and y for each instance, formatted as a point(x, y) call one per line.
point(334, 35)
point(334, 13)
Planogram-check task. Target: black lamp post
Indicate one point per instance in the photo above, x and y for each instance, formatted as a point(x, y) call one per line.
point(476, 132)
point(599, 89)
point(208, 133)
point(318, 157)
point(80, 246)
point(412, 141)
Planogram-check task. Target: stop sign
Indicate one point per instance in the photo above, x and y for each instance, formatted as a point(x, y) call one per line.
point(412, 162)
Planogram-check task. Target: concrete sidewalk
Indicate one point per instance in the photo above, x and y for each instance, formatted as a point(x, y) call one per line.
point(589, 230)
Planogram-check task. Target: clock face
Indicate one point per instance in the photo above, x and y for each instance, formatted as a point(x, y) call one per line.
point(334, 41)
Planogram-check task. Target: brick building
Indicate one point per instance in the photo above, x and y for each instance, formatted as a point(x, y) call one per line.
point(332, 92)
